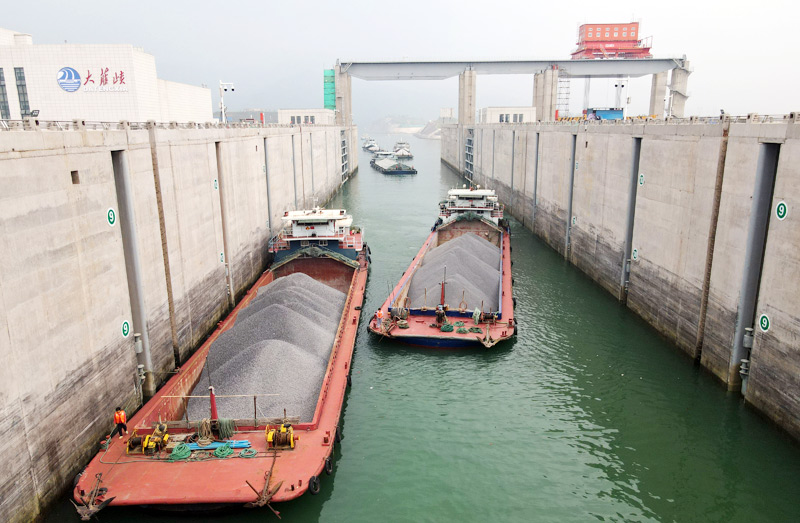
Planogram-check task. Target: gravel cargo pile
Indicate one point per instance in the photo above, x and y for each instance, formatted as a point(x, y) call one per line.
point(473, 268)
point(280, 344)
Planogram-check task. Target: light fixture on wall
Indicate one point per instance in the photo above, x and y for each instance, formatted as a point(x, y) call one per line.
point(223, 87)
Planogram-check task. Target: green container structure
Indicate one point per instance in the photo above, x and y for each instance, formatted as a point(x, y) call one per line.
point(329, 88)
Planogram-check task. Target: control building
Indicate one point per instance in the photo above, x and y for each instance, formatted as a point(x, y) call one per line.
point(91, 82)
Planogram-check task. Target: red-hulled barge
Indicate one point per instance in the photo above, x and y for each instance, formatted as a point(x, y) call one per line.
point(322, 244)
point(466, 211)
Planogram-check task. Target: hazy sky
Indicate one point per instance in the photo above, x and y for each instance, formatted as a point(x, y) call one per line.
point(742, 53)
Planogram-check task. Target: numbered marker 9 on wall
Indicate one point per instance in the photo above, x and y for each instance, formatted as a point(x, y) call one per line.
point(126, 329)
point(763, 323)
point(111, 216)
point(781, 210)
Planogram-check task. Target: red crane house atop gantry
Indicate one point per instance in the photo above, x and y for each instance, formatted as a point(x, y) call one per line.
point(611, 41)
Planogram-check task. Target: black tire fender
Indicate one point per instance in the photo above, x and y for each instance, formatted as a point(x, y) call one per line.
point(313, 485)
point(328, 466)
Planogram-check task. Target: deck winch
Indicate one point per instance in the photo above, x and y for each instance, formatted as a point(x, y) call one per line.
point(156, 441)
point(281, 437)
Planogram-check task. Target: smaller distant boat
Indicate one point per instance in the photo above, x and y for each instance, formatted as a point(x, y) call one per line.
point(383, 154)
point(370, 145)
point(390, 166)
point(402, 145)
point(404, 154)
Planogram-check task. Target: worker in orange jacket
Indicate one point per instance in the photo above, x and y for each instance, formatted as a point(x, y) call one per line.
point(379, 316)
point(119, 418)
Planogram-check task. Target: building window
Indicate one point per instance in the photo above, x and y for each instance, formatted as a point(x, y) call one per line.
point(606, 35)
point(75, 177)
point(633, 32)
point(590, 35)
point(508, 118)
point(616, 35)
point(5, 114)
point(515, 117)
point(22, 91)
point(313, 119)
point(616, 29)
point(502, 118)
point(305, 119)
point(608, 29)
point(293, 120)
point(520, 118)
point(624, 34)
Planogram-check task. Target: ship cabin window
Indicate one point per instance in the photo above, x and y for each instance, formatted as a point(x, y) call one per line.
point(624, 34)
point(590, 35)
point(323, 242)
point(606, 35)
point(616, 35)
point(304, 243)
point(633, 33)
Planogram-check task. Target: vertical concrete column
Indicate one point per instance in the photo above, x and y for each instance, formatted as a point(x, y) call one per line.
point(466, 97)
point(133, 266)
point(549, 96)
point(344, 105)
point(754, 254)
point(658, 91)
point(538, 93)
point(680, 80)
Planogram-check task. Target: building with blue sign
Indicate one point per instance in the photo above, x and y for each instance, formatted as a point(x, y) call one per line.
point(91, 82)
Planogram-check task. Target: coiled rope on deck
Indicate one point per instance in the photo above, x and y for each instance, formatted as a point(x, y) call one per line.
point(223, 451)
point(248, 453)
point(181, 452)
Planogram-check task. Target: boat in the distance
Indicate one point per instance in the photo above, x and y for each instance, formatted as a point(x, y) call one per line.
point(391, 166)
point(370, 144)
point(402, 150)
point(403, 154)
point(457, 292)
point(383, 154)
point(264, 430)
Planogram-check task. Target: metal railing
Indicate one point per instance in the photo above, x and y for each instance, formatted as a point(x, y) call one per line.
point(35, 124)
point(649, 120)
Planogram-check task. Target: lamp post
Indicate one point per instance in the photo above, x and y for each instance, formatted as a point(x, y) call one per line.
point(223, 86)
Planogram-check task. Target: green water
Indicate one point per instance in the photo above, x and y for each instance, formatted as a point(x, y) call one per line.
point(588, 415)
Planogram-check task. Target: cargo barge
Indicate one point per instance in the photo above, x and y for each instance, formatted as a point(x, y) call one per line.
point(164, 462)
point(390, 166)
point(468, 303)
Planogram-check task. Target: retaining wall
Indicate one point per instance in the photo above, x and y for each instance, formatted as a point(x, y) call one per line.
point(691, 207)
point(202, 198)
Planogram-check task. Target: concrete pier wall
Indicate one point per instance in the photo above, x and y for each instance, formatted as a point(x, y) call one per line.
point(202, 200)
point(690, 211)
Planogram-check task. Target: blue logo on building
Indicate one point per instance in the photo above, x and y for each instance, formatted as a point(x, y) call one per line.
point(69, 79)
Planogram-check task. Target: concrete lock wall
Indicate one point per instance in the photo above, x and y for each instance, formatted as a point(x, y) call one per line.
point(202, 199)
point(682, 217)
